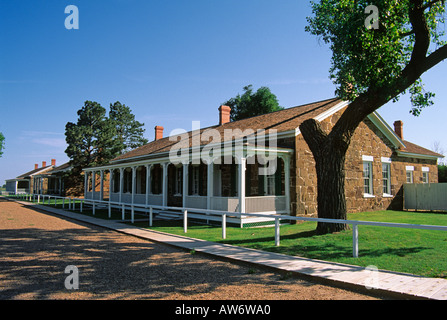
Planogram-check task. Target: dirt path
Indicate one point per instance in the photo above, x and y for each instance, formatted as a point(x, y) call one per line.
point(36, 247)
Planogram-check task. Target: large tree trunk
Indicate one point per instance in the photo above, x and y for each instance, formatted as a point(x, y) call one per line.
point(330, 166)
point(329, 155)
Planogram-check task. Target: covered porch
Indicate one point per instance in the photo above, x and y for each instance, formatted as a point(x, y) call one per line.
point(48, 184)
point(18, 186)
point(250, 183)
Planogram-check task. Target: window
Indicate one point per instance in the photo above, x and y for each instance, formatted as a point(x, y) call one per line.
point(195, 180)
point(424, 177)
point(141, 180)
point(178, 180)
point(269, 185)
point(116, 181)
point(386, 177)
point(367, 178)
point(409, 171)
point(127, 183)
point(156, 179)
point(425, 174)
point(409, 176)
point(272, 184)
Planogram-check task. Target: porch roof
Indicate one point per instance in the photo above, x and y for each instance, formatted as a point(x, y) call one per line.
point(34, 172)
point(62, 168)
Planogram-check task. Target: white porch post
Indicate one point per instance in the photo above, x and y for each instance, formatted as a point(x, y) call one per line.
point(110, 184)
point(101, 185)
point(185, 183)
point(287, 181)
point(121, 184)
point(148, 181)
point(93, 184)
point(210, 183)
point(241, 184)
point(85, 183)
point(134, 178)
point(165, 184)
point(16, 184)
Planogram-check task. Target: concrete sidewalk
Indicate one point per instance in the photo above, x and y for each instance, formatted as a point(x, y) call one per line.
point(398, 285)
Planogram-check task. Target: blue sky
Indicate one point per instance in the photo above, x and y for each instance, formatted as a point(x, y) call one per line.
point(172, 62)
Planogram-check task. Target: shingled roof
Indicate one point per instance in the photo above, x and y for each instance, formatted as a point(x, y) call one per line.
point(281, 121)
point(33, 172)
point(415, 149)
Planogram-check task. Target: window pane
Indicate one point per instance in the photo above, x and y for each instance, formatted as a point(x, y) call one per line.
point(367, 177)
point(409, 176)
point(425, 177)
point(386, 178)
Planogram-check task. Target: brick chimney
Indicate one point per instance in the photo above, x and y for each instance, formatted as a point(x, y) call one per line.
point(44, 164)
point(224, 114)
point(36, 166)
point(399, 128)
point(53, 162)
point(158, 132)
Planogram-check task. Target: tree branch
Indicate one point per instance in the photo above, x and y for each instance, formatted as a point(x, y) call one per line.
point(431, 3)
point(406, 34)
point(434, 58)
point(421, 31)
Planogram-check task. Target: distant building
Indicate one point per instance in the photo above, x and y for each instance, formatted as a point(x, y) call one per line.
point(44, 180)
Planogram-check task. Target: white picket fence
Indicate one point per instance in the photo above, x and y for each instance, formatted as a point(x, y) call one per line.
point(426, 196)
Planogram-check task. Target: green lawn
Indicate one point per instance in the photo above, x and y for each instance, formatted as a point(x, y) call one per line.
point(421, 252)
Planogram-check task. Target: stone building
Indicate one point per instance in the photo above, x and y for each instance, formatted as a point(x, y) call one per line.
point(263, 164)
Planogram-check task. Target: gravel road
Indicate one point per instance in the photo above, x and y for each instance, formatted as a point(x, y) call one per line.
point(36, 247)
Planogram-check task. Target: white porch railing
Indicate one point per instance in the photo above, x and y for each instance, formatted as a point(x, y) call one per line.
point(230, 204)
point(198, 202)
point(219, 216)
point(265, 203)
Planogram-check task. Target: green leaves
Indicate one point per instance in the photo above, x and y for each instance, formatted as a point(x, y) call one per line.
point(129, 132)
point(96, 139)
point(366, 59)
point(2, 143)
point(89, 138)
point(252, 104)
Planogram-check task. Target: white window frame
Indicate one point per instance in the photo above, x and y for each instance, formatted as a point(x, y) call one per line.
point(269, 185)
point(368, 161)
point(386, 181)
point(409, 170)
point(425, 175)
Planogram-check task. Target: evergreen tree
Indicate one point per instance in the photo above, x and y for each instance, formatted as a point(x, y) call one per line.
point(2, 143)
point(252, 104)
point(129, 132)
